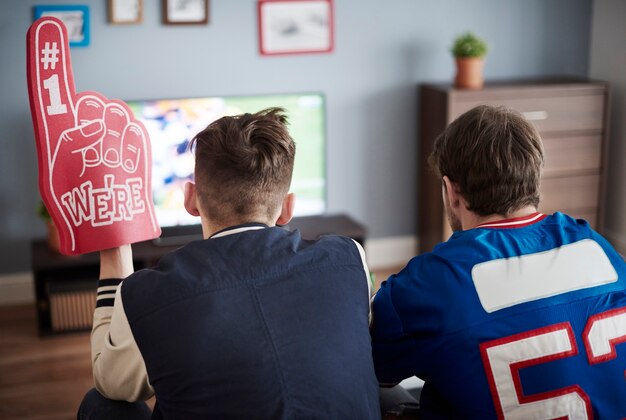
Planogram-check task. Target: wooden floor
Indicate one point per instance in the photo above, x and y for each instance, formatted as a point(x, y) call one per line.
point(46, 377)
point(40, 378)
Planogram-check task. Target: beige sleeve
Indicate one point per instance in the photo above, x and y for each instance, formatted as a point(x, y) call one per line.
point(367, 275)
point(119, 370)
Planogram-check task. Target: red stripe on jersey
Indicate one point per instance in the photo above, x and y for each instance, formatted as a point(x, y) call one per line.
point(515, 222)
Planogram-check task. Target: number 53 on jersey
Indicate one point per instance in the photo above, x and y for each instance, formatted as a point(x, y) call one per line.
point(503, 359)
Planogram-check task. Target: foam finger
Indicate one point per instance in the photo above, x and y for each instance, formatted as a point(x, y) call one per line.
point(115, 120)
point(132, 147)
point(89, 107)
point(50, 80)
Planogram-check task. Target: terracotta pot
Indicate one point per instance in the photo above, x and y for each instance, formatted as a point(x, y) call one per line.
point(53, 237)
point(469, 73)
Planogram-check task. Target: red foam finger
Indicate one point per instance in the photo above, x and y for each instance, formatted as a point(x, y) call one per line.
point(51, 94)
point(132, 147)
point(89, 107)
point(94, 161)
point(50, 81)
point(85, 137)
point(116, 118)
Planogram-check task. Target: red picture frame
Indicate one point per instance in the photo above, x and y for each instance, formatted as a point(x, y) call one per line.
point(296, 26)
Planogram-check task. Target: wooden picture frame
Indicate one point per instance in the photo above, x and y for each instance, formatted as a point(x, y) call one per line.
point(186, 12)
point(125, 11)
point(295, 26)
point(75, 18)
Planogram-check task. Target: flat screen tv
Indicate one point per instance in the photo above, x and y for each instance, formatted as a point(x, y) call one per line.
point(172, 123)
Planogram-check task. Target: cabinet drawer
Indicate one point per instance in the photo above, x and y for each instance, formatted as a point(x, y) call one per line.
point(570, 115)
point(548, 114)
point(571, 192)
point(590, 215)
point(569, 154)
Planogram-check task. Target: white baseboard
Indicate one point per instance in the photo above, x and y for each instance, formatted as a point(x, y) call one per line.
point(392, 251)
point(16, 288)
point(381, 253)
point(395, 251)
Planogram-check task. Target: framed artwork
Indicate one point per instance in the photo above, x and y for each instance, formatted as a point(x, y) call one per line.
point(125, 11)
point(295, 26)
point(186, 12)
point(75, 18)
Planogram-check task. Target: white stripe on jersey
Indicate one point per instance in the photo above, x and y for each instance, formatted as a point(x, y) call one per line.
point(507, 282)
point(507, 223)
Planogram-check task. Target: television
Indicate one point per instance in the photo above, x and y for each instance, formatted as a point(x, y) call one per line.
point(172, 123)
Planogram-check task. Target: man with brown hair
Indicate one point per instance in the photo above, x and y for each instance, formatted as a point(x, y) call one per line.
point(251, 322)
point(518, 314)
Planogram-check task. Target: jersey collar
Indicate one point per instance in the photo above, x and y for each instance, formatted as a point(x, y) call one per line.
point(516, 222)
point(238, 229)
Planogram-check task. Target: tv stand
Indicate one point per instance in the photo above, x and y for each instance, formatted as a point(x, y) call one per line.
point(312, 227)
point(178, 235)
point(65, 287)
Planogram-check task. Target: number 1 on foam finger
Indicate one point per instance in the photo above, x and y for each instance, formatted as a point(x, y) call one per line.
point(49, 59)
point(51, 84)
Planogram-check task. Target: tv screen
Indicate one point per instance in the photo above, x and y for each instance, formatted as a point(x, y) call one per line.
point(172, 123)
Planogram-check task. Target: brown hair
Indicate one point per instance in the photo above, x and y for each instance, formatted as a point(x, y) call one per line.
point(495, 156)
point(244, 165)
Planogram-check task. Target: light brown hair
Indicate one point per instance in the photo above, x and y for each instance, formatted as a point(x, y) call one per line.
point(495, 156)
point(244, 165)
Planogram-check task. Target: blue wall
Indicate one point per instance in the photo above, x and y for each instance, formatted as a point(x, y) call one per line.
point(383, 49)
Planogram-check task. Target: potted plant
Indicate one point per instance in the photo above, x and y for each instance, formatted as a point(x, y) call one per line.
point(53, 233)
point(469, 52)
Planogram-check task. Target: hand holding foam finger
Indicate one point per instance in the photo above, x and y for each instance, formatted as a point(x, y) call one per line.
point(94, 158)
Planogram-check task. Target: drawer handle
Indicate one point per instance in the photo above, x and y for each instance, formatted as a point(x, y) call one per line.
point(535, 115)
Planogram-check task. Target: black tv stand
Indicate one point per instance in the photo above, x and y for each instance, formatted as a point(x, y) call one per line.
point(178, 235)
point(65, 287)
point(311, 227)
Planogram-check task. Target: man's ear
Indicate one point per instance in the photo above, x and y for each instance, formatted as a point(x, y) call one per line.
point(191, 199)
point(451, 191)
point(286, 212)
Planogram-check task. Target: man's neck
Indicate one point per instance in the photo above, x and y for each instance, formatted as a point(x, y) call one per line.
point(210, 228)
point(470, 220)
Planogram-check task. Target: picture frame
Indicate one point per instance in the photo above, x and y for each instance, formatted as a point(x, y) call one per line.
point(186, 12)
point(75, 18)
point(295, 26)
point(125, 12)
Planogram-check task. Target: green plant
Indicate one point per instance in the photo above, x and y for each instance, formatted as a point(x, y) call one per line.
point(469, 45)
point(42, 212)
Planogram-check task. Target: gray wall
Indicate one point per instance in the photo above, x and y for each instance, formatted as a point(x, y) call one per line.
point(607, 62)
point(383, 50)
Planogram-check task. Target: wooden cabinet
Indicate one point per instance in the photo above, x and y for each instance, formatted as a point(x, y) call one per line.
point(571, 116)
point(65, 287)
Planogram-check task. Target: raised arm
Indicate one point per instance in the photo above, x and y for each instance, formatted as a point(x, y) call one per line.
point(119, 370)
point(116, 263)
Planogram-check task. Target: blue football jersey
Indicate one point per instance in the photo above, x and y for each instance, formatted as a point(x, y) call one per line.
point(521, 318)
